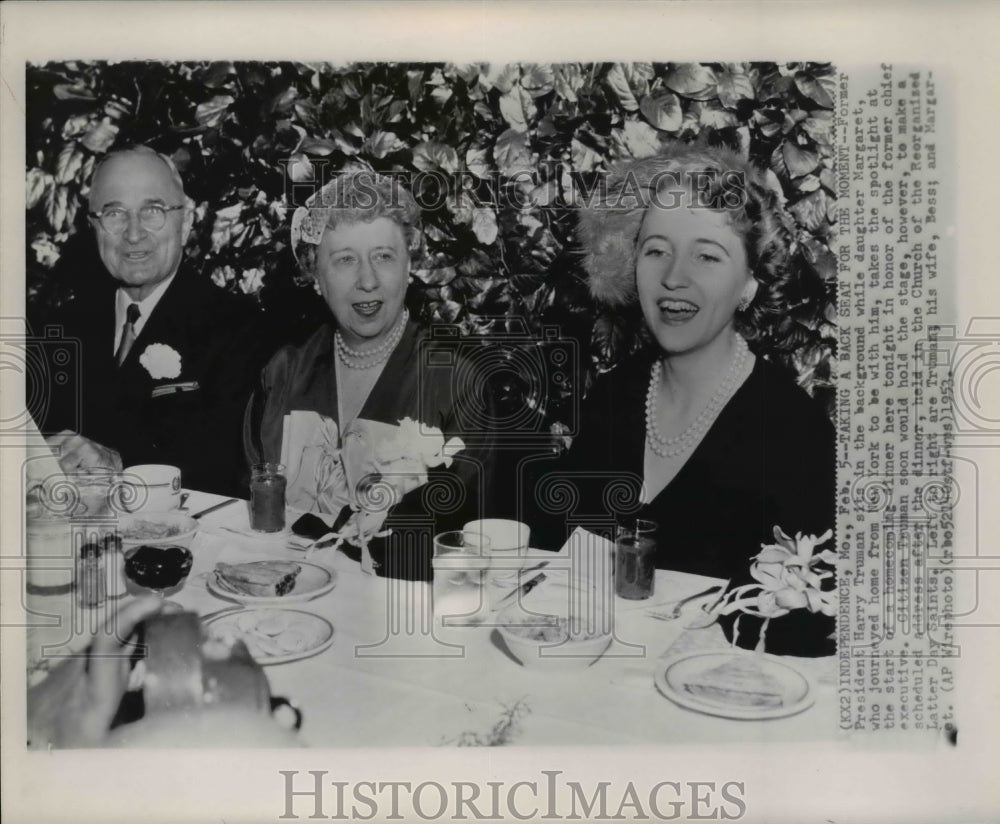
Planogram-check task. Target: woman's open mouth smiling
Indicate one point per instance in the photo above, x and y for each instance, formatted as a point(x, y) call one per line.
point(676, 310)
point(367, 308)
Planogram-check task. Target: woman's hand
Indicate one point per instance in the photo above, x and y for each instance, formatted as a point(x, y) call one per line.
point(75, 705)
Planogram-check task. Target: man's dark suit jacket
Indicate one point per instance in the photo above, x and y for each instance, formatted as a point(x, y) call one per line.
point(197, 428)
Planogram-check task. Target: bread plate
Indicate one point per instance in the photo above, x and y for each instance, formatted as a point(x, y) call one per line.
point(312, 581)
point(793, 689)
point(274, 636)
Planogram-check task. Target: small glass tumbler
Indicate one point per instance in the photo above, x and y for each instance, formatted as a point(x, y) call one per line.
point(461, 564)
point(267, 497)
point(635, 559)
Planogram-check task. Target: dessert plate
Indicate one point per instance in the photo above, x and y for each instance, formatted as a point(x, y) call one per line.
point(274, 636)
point(797, 691)
point(311, 582)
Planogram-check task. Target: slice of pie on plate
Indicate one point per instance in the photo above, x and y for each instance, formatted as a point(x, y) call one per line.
point(258, 578)
point(740, 681)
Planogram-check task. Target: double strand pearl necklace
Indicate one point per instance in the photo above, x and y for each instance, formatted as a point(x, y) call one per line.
point(370, 358)
point(686, 440)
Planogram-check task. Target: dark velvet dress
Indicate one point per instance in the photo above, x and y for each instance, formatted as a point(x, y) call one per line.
point(768, 460)
point(425, 379)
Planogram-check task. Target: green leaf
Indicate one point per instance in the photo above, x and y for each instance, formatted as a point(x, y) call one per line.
point(798, 161)
point(515, 107)
point(693, 80)
point(211, 112)
point(477, 161)
point(379, 144)
point(568, 81)
point(537, 78)
point(317, 146)
point(37, 183)
point(769, 121)
point(218, 73)
point(734, 85)
point(512, 155)
point(663, 110)
point(430, 156)
point(619, 84)
point(484, 225)
point(101, 137)
point(583, 157)
point(300, 169)
point(500, 76)
point(715, 117)
point(818, 89)
point(69, 163)
point(440, 276)
point(821, 258)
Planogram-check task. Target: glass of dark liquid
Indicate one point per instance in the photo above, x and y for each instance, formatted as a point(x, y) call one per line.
point(635, 559)
point(267, 497)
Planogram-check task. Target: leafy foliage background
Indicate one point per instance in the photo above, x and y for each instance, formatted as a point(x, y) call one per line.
point(517, 142)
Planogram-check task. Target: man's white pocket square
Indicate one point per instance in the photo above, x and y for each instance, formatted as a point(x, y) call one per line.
point(174, 388)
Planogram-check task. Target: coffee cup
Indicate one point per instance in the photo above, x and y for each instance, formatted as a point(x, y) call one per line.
point(508, 544)
point(152, 488)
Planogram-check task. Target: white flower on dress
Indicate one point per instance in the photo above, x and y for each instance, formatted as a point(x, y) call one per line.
point(376, 465)
point(789, 575)
point(161, 361)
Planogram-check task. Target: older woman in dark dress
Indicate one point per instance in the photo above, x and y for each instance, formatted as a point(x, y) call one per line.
point(368, 413)
point(719, 443)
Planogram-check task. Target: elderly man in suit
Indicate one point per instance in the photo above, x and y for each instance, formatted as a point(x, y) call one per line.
point(168, 359)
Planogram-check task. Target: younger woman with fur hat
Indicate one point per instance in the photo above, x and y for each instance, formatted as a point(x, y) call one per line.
point(721, 444)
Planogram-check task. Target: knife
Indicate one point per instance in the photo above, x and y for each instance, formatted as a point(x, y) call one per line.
point(524, 589)
point(215, 507)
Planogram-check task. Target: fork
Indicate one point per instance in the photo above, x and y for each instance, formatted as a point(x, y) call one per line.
point(675, 613)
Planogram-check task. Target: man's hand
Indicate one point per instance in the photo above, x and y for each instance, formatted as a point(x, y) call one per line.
point(75, 704)
point(76, 453)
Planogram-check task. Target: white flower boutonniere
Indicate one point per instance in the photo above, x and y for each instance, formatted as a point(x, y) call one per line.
point(788, 575)
point(161, 361)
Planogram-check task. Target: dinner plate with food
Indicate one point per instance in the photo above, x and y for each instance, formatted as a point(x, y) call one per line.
point(735, 684)
point(271, 582)
point(273, 635)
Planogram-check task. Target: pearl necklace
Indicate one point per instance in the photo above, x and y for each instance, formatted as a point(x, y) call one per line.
point(373, 357)
point(686, 440)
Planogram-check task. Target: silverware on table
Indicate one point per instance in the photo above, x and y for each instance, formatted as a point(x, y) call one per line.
point(215, 507)
point(524, 589)
point(675, 613)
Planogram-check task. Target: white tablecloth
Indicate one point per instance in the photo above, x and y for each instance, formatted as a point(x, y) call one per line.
point(387, 681)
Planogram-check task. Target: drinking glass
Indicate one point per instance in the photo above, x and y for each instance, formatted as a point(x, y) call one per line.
point(461, 564)
point(267, 497)
point(635, 559)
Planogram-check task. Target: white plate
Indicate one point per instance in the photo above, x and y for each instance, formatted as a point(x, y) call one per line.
point(314, 580)
point(799, 692)
point(314, 632)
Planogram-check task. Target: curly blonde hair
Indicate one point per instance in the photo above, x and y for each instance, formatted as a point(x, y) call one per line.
point(719, 179)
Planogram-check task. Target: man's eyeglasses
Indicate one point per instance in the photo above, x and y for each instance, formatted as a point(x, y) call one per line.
point(151, 218)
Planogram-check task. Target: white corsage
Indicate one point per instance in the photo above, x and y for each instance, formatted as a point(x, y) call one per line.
point(161, 361)
point(374, 466)
point(789, 575)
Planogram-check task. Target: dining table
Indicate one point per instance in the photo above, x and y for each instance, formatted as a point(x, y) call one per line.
point(393, 676)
